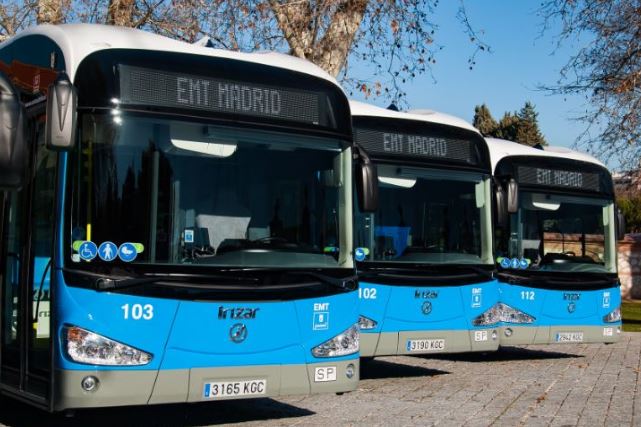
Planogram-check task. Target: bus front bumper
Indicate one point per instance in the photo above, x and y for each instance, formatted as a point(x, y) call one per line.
point(445, 341)
point(524, 335)
point(144, 387)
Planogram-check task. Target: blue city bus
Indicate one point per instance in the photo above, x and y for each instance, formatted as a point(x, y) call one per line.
point(424, 257)
point(176, 222)
point(556, 230)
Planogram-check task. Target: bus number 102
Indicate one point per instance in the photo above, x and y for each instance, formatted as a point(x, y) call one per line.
point(367, 293)
point(138, 311)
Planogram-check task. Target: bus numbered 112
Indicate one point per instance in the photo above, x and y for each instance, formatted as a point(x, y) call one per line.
point(424, 257)
point(176, 222)
point(556, 232)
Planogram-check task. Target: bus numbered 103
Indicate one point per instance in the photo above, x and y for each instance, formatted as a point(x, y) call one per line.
point(175, 221)
point(556, 232)
point(424, 257)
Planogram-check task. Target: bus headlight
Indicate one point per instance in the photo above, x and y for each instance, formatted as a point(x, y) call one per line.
point(613, 316)
point(500, 312)
point(90, 348)
point(342, 344)
point(365, 323)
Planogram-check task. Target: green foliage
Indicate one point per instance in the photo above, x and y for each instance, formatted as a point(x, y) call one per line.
point(631, 312)
point(527, 131)
point(631, 208)
point(483, 120)
point(521, 126)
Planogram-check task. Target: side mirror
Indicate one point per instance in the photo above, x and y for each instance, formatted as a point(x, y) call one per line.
point(366, 176)
point(512, 196)
point(62, 102)
point(13, 147)
point(501, 211)
point(620, 224)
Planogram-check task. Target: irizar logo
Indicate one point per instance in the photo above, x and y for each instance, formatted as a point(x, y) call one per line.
point(421, 294)
point(237, 313)
point(571, 296)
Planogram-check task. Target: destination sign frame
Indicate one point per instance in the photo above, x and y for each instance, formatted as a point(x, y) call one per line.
point(153, 87)
point(559, 178)
point(419, 145)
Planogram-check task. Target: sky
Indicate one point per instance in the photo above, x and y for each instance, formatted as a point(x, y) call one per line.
point(521, 59)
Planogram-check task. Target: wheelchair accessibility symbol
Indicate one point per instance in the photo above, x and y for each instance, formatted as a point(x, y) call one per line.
point(87, 251)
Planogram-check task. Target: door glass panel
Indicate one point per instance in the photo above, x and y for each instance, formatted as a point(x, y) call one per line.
point(42, 217)
point(12, 242)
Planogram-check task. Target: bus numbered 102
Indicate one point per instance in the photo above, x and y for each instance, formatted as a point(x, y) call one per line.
point(556, 232)
point(424, 257)
point(176, 222)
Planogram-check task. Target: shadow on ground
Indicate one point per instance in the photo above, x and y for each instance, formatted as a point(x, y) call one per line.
point(16, 414)
point(505, 354)
point(372, 369)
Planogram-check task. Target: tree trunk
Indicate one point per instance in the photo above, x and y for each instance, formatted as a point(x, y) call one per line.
point(298, 21)
point(51, 11)
point(121, 13)
point(332, 51)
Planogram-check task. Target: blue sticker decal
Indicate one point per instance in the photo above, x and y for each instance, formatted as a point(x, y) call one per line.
point(524, 263)
point(321, 321)
point(108, 251)
point(87, 251)
point(127, 252)
point(189, 236)
point(606, 299)
point(359, 254)
point(514, 263)
point(505, 263)
point(207, 390)
point(477, 296)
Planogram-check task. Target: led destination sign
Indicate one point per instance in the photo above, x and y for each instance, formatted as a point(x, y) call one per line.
point(559, 178)
point(412, 145)
point(141, 86)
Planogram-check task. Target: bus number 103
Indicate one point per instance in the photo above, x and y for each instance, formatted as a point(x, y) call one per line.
point(527, 295)
point(138, 311)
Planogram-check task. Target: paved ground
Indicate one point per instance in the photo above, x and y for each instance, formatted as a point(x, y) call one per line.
point(558, 386)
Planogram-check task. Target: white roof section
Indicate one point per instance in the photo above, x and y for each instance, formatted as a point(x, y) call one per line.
point(363, 109)
point(501, 148)
point(77, 41)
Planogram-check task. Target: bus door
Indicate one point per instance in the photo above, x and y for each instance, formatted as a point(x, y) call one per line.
point(26, 249)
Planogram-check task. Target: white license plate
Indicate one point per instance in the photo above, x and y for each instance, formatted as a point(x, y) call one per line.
point(569, 337)
point(426, 345)
point(222, 389)
point(325, 374)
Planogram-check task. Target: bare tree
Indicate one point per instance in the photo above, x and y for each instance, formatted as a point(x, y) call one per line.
point(606, 70)
point(393, 39)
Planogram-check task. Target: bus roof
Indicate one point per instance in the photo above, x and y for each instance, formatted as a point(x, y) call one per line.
point(77, 41)
point(363, 109)
point(501, 148)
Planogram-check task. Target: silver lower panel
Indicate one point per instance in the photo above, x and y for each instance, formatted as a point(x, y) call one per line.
point(129, 387)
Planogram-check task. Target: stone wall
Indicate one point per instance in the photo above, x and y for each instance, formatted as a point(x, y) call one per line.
point(630, 266)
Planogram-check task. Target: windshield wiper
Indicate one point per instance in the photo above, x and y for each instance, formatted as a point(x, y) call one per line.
point(110, 283)
point(348, 283)
point(427, 272)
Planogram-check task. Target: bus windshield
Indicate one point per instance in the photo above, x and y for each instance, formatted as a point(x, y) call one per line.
point(428, 216)
point(180, 192)
point(561, 233)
